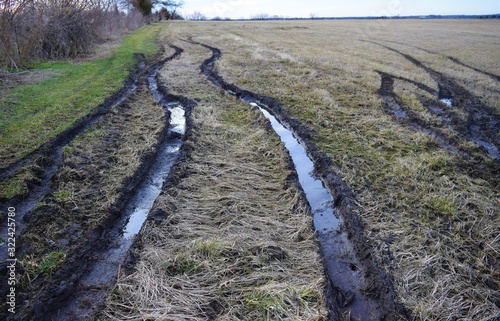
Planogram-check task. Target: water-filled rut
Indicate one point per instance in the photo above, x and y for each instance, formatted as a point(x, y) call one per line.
point(102, 273)
point(94, 275)
point(356, 286)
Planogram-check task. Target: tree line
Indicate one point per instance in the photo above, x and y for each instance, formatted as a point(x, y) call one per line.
point(33, 30)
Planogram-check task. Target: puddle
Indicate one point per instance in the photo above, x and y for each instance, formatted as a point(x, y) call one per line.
point(147, 193)
point(445, 95)
point(447, 101)
point(142, 201)
point(102, 271)
point(490, 148)
point(345, 275)
point(135, 213)
point(317, 195)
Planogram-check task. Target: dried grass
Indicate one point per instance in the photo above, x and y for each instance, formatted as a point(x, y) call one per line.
point(432, 223)
point(236, 241)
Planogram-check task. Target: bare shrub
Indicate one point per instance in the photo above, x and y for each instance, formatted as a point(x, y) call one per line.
point(52, 29)
point(197, 15)
point(18, 31)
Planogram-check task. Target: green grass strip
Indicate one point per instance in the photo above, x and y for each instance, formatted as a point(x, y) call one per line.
point(30, 115)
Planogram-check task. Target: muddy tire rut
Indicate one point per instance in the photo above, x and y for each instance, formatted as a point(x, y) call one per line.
point(357, 286)
point(481, 123)
point(230, 237)
point(80, 215)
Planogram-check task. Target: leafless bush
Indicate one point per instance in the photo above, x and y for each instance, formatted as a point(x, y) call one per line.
point(197, 15)
point(51, 29)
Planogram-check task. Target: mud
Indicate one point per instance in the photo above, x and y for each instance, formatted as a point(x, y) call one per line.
point(357, 286)
point(96, 282)
point(47, 158)
point(317, 195)
point(482, 123)
point(78, 288)
point(444, 108)
point(471, 164)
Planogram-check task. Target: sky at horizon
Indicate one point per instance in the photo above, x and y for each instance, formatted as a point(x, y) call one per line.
point(236, 9)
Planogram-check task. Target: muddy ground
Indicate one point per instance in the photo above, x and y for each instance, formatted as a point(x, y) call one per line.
point(231, 235)
point(262, 224)
point(95, 167)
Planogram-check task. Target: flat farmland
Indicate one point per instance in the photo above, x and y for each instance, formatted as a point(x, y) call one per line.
point(400, 119)
point(397, 107)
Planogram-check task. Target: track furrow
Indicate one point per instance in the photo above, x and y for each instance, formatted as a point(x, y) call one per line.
point(394, 106)
point(347, 276)
point(482, 123)
point(48, 157)
point(90, 269)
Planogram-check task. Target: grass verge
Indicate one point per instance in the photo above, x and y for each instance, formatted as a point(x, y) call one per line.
point(32, 114)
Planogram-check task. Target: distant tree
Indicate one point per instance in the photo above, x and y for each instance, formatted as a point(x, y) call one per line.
point(146, 6)
point(171, 6)
point(164, 14)
point(196, 16)
point(260, 16)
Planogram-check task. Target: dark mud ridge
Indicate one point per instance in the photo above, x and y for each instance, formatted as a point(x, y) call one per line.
point(78, 289)
point(481, 124)
point(356, 284)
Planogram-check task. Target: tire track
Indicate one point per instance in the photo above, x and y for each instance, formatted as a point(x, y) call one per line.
point(48, 157)
point(482, 123)
point(393, 105)
point(356, 284)
point(78, 288)
point(455, 60)
point(50, 149)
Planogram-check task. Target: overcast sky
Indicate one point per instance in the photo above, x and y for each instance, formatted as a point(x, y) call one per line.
point(335, 8)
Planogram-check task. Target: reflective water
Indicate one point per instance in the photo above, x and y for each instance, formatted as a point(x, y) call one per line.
point(317, 195)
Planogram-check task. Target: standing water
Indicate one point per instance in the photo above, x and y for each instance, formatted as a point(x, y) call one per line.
point(317, 195)
point(102, 272)
point(341, 270)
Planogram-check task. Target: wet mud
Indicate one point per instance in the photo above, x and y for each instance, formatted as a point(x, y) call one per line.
point(481, 123)
point(78, 288)
point(356, 285)
point(480, 127)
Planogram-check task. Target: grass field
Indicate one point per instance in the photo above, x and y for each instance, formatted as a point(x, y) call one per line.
point(407, 111)
point(430, 216)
